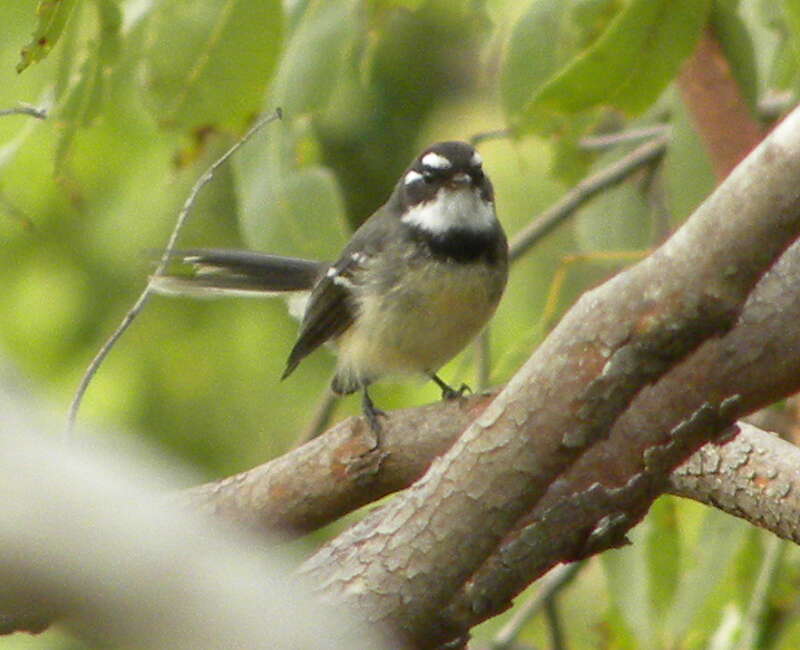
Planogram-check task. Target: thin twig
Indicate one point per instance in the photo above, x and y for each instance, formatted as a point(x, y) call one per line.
point(549, 586)
point(589, 142)
point(497, 134)
point(775, 103)
point(25, 109)
point(754, 617)
point(585, 190)
point(554, 624)
point(145, 295)
point(609, 140)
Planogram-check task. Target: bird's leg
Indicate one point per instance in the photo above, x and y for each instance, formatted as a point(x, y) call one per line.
point(373, 415)
point(448, 392)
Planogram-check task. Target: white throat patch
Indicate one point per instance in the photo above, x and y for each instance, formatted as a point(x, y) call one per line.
point(462, 209)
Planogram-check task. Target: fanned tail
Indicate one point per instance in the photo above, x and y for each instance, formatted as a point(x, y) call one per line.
point(213, 272)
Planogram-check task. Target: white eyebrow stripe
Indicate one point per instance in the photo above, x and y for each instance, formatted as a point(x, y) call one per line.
point(476, 160)
point(411, 177)
point(435, 161)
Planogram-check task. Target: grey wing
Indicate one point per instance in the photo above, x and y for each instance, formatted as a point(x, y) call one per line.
point(333, 307)
point(331, 310)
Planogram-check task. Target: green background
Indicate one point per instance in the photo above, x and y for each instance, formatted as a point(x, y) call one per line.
point(144, 95)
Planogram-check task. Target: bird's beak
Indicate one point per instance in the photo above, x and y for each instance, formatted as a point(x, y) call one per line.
point(459, 180)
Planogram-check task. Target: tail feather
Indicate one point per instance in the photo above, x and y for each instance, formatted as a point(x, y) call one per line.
point(235, 272)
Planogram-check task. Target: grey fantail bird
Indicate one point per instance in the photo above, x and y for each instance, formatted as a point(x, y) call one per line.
point(417, 281)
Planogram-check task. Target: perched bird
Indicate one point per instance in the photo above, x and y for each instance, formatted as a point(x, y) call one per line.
point(417, 281)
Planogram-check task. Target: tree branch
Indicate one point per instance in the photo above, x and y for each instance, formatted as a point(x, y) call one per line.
point(756, 477)
point(589, 187)
point(25, 109)
point(718, 109)
point(338, 471)
point(611, 487)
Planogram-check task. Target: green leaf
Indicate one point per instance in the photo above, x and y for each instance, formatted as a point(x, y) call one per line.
point(388, 5)
point(288, 203)
point(52, 16)
point(541, 41)
point(85, 99)
point(312, 60)
point(643, 578)
point(791, 16)
point(734, 37)
point(663, 550)
point(545, 37)
point(688, 175)
point(628, 66)
point(628, 578)
point(719, 539)
point(208, 63)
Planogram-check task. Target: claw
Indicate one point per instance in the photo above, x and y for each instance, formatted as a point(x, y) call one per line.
point(448, 392)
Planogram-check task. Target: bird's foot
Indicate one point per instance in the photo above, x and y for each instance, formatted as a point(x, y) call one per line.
point(448, 392)
point(373, 415)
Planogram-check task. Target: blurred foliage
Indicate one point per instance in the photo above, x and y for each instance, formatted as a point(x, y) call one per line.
point(143, 95)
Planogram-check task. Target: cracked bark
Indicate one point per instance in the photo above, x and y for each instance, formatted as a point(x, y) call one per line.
point(755, 476)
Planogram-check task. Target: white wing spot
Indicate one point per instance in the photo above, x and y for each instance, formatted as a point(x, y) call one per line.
point(435, 161)
point(332, 272)
point(358, 257)
point(412, 177)
point(343, 282)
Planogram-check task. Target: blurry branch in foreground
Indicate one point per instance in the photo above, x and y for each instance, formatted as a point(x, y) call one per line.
point(140, 574)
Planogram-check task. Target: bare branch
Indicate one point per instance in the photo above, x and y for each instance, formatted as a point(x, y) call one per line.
point(142, 575)
point(585, 190)
point(549, 586)
point(610, 488)
point(756, 477)
point(25, 109)
point(614, 139)
point(715, 102)
point(337, 472)
point(134, 311)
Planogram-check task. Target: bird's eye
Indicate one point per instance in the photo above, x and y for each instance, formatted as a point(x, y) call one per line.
point(428, 175)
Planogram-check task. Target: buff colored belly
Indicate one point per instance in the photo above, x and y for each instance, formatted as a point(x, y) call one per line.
point(419, 330)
